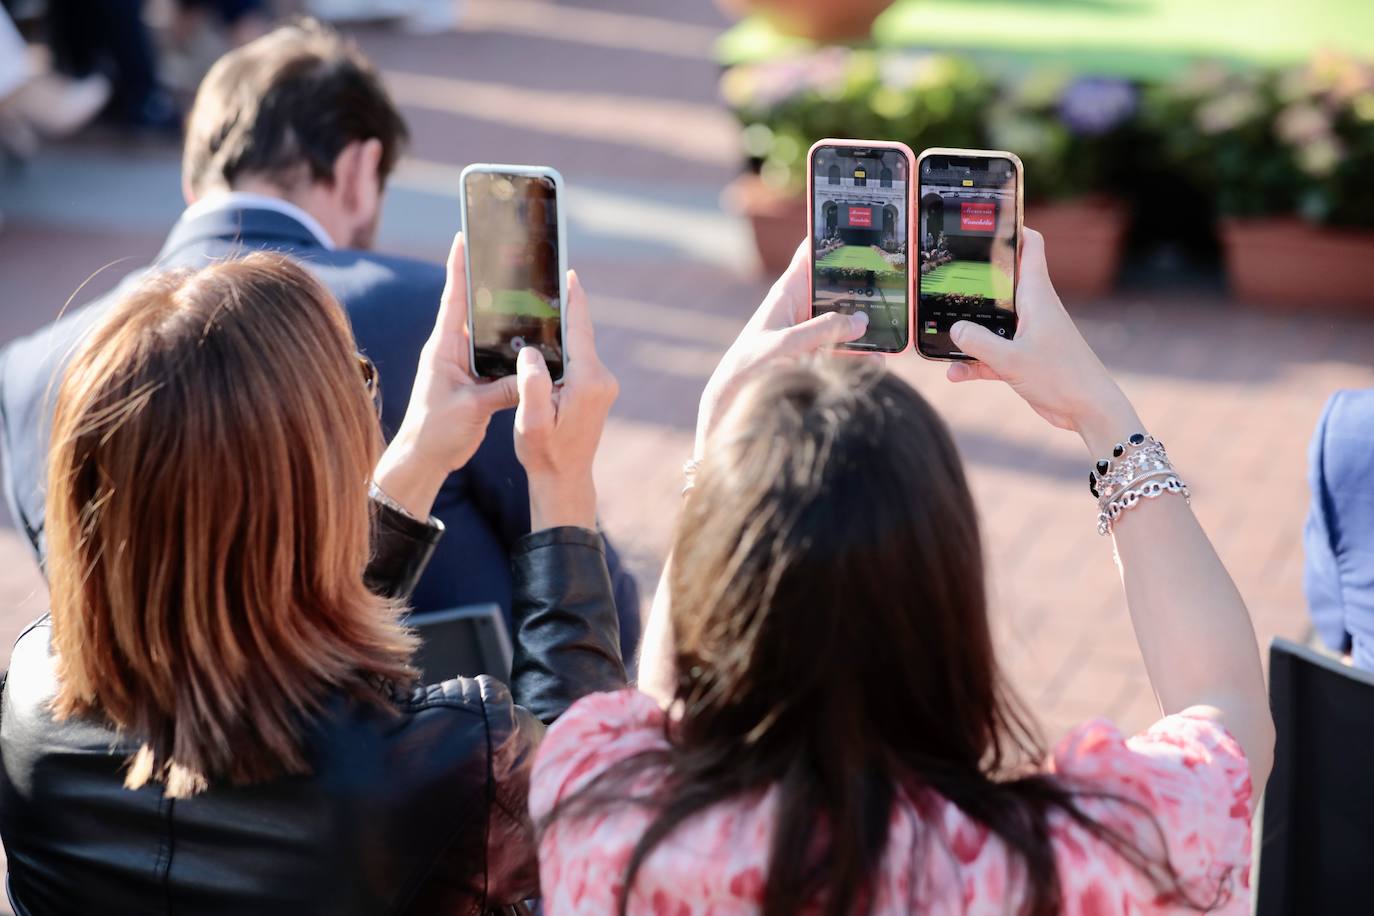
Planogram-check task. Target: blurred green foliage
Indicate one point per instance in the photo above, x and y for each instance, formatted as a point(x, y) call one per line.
point(1296, 140)
point(1274, 142)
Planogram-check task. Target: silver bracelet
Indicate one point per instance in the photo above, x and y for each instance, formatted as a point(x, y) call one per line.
point(1157, 485)
point(689, 474)
point(1139, 468)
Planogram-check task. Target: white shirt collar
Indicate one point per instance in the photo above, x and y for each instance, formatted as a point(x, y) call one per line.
point(242, 200)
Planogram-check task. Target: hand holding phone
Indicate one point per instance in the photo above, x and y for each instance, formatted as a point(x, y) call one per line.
point(859, 204)
point(446, 419)
point(516, 262)
point(1049, 364)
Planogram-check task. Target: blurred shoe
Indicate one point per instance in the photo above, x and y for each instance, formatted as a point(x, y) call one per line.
point(57, 106)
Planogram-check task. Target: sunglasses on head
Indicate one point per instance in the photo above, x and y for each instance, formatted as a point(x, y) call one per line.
point(372, 382)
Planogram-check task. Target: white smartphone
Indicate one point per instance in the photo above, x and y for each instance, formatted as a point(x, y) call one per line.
point(517, 266)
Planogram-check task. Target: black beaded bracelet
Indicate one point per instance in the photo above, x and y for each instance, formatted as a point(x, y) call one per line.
point(1104, 465)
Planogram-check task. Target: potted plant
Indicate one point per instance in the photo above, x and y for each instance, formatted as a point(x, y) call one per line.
point(787, 104)
point(821, 21)
point(1075, 137)
point(1288, 155)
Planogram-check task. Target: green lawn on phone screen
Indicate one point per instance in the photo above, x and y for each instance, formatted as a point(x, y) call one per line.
point(863, 257)
point(522, 302)
point(968, 278)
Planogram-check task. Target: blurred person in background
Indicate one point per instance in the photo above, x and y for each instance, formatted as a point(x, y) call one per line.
point(36, 103)
point(242, 20)
point(1338, 576)
point(219, 714)
point(110, 37)
point(288, 148)
point(825, 727)
point(197, 31)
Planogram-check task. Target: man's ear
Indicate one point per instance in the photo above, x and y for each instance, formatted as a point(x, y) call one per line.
point(357, 177)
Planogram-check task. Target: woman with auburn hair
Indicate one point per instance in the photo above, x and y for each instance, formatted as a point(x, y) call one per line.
point(824, 727)
point(219, 713)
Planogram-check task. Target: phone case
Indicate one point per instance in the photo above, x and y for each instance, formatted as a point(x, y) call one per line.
point(523, 171)
point(916, 219)
point(811, 228)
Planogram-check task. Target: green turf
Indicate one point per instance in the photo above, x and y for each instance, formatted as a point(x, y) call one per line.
point(521, 302)
point(968, 278)
point(854, 257)
point(1141, 39)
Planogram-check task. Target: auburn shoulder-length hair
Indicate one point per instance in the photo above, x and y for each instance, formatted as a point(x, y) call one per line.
point(208, 524)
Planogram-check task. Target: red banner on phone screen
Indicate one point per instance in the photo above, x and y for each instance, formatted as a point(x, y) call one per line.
point(977, 216)
point(861, 217)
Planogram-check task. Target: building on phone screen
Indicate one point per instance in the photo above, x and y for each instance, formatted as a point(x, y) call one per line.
point(861, 201)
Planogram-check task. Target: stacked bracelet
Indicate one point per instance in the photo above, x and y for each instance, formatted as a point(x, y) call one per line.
point(1138, 469)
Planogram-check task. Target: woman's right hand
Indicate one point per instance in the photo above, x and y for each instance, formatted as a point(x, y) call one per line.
point(781, 328)
point(557, 429)
point(1048, 363)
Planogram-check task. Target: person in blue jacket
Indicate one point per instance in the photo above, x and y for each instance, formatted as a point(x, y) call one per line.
point(288, 148)
point(1339, 540)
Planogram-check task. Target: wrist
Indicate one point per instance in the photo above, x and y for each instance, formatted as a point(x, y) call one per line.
point(557, 500)
point(1106, 422)
point(405, 475)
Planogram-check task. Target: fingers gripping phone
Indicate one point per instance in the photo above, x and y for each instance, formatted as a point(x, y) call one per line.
point(858, 207)
point(968, 241)
point(514, 231)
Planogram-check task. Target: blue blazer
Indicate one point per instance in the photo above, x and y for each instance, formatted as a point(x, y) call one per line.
point(1339, 540)
point(391, 303)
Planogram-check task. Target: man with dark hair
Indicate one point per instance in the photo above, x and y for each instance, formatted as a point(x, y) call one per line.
point(288, 148)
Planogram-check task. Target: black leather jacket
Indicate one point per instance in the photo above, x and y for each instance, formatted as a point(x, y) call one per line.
point(423, 811)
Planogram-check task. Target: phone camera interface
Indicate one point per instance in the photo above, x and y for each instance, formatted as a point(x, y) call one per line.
point(513, 258)
point(967, 247)
point(859, 230)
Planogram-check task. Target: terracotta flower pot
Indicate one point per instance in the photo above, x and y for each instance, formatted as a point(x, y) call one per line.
point(777, 218)
point(1289, 263)
point(819, 20)
point(1083, 240)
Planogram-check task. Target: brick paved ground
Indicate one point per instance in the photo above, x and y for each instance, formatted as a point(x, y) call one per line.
point(620, 95)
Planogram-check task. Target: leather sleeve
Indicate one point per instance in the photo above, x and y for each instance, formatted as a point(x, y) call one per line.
point(512, 848)
point(567, 634)
point(401, 548)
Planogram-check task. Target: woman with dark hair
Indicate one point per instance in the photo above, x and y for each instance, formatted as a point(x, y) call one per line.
point(823, 726)
point(220, 713)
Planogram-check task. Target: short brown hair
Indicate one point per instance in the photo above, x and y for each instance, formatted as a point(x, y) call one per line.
point(208, 524)
point(284, 106)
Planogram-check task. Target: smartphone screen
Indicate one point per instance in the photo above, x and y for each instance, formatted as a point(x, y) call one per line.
point(514, 277)
point(967, 248)
point(859, 240)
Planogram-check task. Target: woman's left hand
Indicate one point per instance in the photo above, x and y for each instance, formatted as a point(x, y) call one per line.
point(449, 410)
point(781, 328)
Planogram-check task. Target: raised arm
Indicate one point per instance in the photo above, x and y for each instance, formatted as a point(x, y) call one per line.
point(781, 328)
point(567, 633)
point(1192, 626)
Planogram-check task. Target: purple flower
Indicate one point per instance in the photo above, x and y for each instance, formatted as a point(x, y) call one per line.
point(1093, 105)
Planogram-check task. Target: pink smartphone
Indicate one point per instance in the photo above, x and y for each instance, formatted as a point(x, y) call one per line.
point(859, 201)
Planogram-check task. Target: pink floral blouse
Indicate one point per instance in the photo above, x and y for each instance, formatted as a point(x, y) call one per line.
point(1187, 770)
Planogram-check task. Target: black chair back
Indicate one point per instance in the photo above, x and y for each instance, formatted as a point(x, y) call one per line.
point(462, 642)
point(1317, 846)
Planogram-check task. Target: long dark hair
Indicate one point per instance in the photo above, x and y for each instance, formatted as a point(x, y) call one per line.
point(831, 637)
